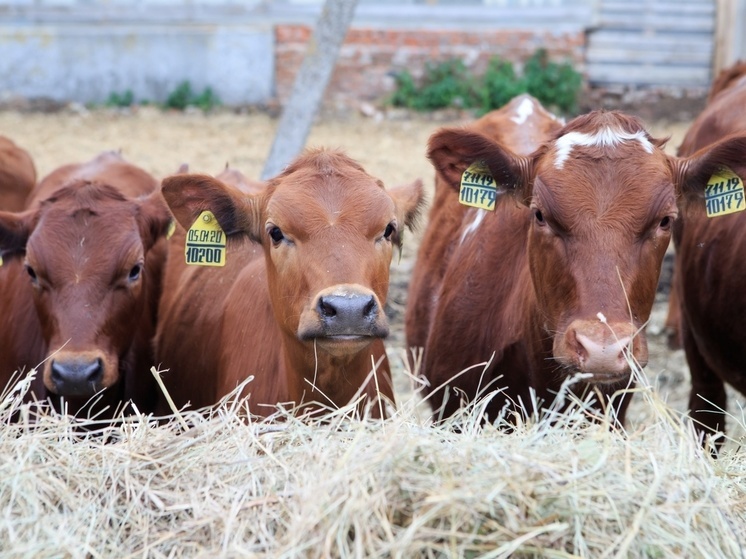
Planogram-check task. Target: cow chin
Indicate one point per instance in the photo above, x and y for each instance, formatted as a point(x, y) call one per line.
point(341, 342)
point(80, 374)
point(341, 346)
point(603, 350)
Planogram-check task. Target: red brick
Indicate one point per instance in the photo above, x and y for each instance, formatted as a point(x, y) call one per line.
point(368, 56)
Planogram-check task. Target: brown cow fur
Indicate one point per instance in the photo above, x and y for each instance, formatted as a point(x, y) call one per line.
point(262, 314)
point(561, 277)
point(448, 218)
point(81, 282)
point(710, 267)
point(17, 176)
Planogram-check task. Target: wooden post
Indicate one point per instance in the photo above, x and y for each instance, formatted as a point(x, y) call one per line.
point(310, 84)
point(730, 38)
point(724, 29)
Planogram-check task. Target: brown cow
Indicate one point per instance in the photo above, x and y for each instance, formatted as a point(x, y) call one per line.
point(716, 121)
point(522, 124)
point(710, 266)
point(561, 277)
point(17, 176)
point(84, 298)
point(299, 302)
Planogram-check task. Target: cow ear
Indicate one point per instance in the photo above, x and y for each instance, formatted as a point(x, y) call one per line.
point(409, 200)
point(453, 150)
point(154, 218)
point(189, 195)
point(15, 229)
point(691, 174)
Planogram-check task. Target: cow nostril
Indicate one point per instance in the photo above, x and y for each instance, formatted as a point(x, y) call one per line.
point(57, 372)
point(577, 346)
point(94, 370)
point(326, 309)
point(626, 350)
point(370, 308)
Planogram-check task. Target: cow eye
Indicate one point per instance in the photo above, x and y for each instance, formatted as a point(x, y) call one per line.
point(32, 274)
point(135, 272)
point(665, 223)
point(276, 234)
point(390, 230)
point(539, 217)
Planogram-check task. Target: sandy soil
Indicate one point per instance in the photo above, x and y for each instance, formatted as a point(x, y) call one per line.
point(391, 149)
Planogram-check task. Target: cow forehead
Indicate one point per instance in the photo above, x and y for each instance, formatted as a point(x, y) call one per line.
point(308, 201)
point(621, 190)
point(605, 162)
point(606, 139)
point(627, 166)
point(524, 110)
point(68, 239)
point(105, 217)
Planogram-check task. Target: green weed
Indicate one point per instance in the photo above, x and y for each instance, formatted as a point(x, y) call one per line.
point(115, 99)
point(450, 84)
point(184, 96)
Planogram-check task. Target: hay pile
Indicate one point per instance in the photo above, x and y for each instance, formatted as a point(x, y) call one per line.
point(216, 485)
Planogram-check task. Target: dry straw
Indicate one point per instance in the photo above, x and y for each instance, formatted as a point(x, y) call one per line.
point(218, 485)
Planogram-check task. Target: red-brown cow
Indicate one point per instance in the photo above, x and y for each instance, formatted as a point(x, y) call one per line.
point(561, 277)
point(710, 264)
point(17, 176)
point(84, 298)
point(299, 302)
point(715, 122)
point(522, 124)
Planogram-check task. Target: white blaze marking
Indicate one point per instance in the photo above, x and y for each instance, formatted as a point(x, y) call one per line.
point(474, 225)
point(605, 137)
point(524, 110)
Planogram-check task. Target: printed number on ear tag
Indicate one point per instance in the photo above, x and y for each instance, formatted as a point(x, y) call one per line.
point(205, 242)
point(478, 188)
point(724, 193)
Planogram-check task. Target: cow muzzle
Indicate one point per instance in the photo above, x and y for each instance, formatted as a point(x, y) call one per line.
point(343, 319)
point(603, 350)
point(77, 374)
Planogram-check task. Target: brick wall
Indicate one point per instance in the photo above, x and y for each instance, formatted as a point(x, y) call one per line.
point(369, 57)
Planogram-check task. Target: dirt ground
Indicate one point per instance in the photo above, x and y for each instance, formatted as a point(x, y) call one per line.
point(389, 148)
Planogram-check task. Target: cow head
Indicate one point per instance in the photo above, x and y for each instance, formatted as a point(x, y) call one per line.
point(328, 230)
point(601, 197)
point(85, 249)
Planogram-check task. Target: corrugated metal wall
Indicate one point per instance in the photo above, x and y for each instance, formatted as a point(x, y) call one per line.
point(652, 42)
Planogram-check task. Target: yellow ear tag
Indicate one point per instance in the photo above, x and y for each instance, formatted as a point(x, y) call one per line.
point(205, 242)
point(1, 260)
point(724, 193)
point(171, 229)
point(478, 188)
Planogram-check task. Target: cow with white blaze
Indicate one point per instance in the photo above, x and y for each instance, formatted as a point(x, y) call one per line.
point(560, 277)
